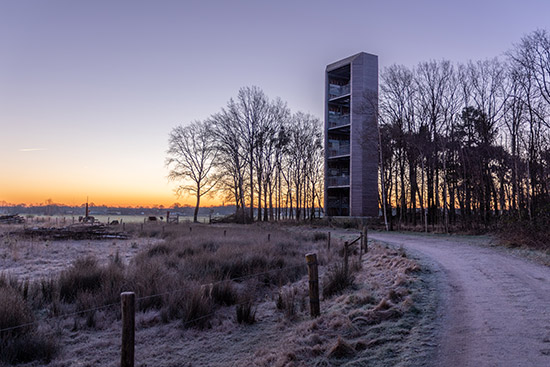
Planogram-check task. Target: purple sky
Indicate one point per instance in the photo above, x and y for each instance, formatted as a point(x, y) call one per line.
point(91, 89)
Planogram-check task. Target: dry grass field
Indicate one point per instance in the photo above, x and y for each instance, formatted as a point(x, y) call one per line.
point(212, 295)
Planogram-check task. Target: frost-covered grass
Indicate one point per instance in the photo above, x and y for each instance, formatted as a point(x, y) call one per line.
point(190, 285)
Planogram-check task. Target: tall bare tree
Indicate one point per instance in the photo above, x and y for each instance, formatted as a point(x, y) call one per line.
point(231, 159)
point(191, 157)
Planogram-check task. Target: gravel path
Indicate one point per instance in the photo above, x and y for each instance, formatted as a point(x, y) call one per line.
point(495, 307)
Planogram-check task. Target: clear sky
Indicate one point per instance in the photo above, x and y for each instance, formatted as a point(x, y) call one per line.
point(89, 90)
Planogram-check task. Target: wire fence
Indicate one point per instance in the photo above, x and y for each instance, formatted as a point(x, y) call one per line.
point(93, 309)
point(128, 308)
point(240, 278)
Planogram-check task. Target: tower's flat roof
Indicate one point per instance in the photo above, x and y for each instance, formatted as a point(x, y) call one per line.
point(348, 60)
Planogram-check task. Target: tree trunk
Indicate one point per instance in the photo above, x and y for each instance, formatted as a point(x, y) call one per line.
point(196, 213)
point(251, 184)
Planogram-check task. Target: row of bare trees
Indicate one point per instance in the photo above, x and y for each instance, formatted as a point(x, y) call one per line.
point(254, 153)
point(468, 143)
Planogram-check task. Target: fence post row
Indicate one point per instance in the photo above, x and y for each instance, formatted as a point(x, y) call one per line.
point(128, 305)
point(314, 305)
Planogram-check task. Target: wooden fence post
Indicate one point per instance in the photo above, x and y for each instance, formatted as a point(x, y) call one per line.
point(366, 238)
point(346, 258)
point(328, 241)
point(361, 248)
point(314, 306)
point(128, 304)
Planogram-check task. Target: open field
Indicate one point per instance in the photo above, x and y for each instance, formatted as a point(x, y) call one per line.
point(60, 220)
point(191, 279)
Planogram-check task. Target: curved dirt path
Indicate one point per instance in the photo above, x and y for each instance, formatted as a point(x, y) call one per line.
point(495, 307)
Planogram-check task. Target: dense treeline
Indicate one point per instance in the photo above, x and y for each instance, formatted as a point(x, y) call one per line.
point(254, 153)
point(463, 145)
point(468, 144)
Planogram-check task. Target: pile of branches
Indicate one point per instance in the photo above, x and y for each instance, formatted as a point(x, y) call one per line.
point(239, 217)
point(11, 219)
point(73, 232)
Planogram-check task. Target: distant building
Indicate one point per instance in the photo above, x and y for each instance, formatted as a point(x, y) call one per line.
point(351, 137)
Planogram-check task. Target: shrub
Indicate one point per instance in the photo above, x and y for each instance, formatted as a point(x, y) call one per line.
point(198, 308)
point(172, 306)
point(286, 301)
point(87, 284)
point(84, 275)
point(523, 233)
point(30, 347)
point(48, 289)
point(86, 301)
point(319, 236)
point(159, 250)
point(14, 311)
point(223, 293)
point(355, 265)
point(210, 246)
point(246, 314)
point(148, 278)
point(8, 281)
point(336, 281)
point(22, 344)
point(113, 282)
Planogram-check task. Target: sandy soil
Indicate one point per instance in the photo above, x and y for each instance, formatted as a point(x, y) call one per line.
point(495, 306)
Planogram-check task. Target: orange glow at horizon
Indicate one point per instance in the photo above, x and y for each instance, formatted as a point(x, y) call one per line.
point(31, 177)
point(75, 194)
point(112, 199)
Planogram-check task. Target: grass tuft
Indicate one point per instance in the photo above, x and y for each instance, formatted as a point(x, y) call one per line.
point(83, 276)
point(336, 281)
point(286, 302)
point(246, 313)
point(197, 309)
point(223, 293)
point(23, 344)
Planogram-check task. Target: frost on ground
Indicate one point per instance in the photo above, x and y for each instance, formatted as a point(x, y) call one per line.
point(35, 259)
point(383, 319)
